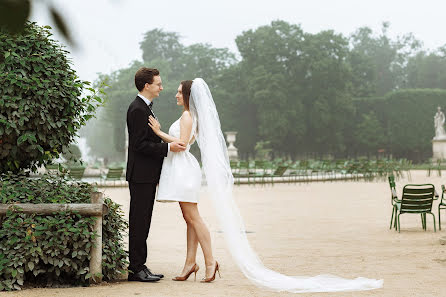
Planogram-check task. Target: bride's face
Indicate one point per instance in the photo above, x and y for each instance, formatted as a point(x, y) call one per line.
point(179, 95)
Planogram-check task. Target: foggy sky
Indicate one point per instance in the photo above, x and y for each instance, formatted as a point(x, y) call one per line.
point(108, 32)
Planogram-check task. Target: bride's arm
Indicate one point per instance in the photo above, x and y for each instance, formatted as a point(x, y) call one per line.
point(156, 127)
point(185, 129)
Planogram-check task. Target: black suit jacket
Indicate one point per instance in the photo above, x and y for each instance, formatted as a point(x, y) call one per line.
point(145, 152)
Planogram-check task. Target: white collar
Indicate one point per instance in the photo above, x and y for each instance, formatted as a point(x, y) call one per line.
point(147, 101)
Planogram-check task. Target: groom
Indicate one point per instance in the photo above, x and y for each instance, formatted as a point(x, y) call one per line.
point(145, 158)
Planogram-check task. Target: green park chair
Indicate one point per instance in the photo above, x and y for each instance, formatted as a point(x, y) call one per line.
point(54, 168)
point(76, 172)
point(417, 198)
point(328, 169)
point(341, 168)
point(114, 174)
point(442, 205)
point(406, 165)
point(396, 203)
point(234, 167)
point(240, 171)
point(354, 169)
point(278, 172)
point(434, 166)
point(260, 170)
point(302, 171)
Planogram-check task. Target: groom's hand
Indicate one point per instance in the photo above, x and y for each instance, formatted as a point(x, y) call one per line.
point(177, 147)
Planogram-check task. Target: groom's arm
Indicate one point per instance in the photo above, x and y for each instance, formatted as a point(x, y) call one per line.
point(143, 145)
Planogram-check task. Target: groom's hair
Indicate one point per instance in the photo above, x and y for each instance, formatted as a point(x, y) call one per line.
point(186, 85)
point(145, 75)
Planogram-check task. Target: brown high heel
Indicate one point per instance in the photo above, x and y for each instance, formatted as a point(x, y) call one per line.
point(217, 269)
point(183, 278)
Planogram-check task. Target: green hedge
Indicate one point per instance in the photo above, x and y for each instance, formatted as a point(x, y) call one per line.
point(406, 120)
point(54, 249)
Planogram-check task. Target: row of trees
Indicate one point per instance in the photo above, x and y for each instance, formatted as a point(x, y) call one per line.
point(301, 92)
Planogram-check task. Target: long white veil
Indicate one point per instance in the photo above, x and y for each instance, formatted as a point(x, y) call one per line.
point(214, 157)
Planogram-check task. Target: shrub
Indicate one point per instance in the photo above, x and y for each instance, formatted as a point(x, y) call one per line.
point(41, 107)
point(72, 154)
point(48, 250)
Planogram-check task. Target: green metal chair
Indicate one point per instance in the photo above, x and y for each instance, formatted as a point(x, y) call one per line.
point(396, 203)
point(417, 198)
point(341, 168)
point(298, 171)
point(241, 172)
point(442, 205)
point(54, 168)
point(260, 169)
point(303, 170)
point(434, 165)
point(76, 172)
point(329, 169)
point(234, 166)
point(114, 174)
point(279, 172)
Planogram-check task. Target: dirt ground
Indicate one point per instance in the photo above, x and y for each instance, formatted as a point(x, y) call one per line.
point(339, 228)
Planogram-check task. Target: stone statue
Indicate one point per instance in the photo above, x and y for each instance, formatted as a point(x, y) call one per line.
point(439, 120)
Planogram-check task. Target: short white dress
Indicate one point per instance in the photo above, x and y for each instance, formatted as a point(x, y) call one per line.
point(181, 174)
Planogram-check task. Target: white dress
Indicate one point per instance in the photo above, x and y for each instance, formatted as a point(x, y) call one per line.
point(181, 174)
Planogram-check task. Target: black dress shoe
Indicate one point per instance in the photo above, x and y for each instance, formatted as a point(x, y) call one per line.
point(147, 270)
point(142, 276)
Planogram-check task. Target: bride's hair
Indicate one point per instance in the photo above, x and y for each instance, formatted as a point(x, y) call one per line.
point(186, 86)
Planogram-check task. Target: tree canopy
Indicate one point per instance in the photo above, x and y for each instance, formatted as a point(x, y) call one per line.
point(300, 93)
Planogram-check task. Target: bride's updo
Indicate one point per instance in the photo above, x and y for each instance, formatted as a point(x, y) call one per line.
point(186, 86)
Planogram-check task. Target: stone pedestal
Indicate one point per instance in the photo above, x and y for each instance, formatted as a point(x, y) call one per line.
point(232, 150)
point(439, 149)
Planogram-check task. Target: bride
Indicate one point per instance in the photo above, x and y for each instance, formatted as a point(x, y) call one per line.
point(181, 179)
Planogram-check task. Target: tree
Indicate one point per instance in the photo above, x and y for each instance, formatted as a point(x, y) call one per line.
point(296, 90)
point(370, 134)
point(176, 62)
point(160, 45)
point(41, 108)
point(271, 68)
point(299, 84)
point(325, 88)
point(427, 70)
point(236, 111)
point(377, 62)
point(404, 118)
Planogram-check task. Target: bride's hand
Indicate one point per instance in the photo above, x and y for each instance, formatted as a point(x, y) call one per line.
point(154, 124)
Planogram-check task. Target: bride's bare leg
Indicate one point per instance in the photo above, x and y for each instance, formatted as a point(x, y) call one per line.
point(192, 245)
point(193, 218)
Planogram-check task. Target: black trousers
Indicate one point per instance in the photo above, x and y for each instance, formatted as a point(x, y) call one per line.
point(142, 197)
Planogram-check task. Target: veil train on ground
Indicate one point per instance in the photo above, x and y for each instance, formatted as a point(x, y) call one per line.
point(216, 166)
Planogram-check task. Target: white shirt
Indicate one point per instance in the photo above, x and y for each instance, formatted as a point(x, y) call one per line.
point(147, 101)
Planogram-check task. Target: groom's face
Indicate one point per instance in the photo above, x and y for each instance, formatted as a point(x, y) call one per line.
point(154, 88)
